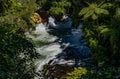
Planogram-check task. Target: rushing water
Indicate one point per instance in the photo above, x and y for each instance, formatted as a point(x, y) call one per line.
point(63, 43)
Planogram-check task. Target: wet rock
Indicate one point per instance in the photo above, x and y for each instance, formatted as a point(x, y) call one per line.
point(65, 23)
point(57, 71)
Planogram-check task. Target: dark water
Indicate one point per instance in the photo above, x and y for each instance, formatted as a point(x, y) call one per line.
point(71, 40)
point(64, 44)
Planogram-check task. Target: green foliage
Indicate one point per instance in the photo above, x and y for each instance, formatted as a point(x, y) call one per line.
point(117, 15)
point(103, 35)
point(16, 57)
point(21, 10)
point(94, 10)
point(16, 53)
point(41, 3)
point(58, 12)
point(77, 73)
point(59, 8)
point(5, 5)
point(104, 73)
point(108, 73)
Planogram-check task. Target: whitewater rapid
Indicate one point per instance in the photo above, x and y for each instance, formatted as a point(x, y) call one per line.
point(63, 43)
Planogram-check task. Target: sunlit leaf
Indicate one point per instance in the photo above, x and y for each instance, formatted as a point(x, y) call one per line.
point(94, 17)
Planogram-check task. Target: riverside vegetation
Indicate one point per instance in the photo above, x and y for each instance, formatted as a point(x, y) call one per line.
point(101, 27)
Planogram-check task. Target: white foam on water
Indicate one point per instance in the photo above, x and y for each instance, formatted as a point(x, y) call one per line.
point(47, 52)
point(50, 52)
point(41, 34)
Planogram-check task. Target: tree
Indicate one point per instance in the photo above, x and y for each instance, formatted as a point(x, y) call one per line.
point(16, 52)
point(59, 8)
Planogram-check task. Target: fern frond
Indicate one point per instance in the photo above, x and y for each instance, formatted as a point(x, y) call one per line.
point(88, 14)
point(106, 5)
point(101, 11)
point(55, 4)
point(87, 3)
point(105, 30)
point(83, 11)
point(101, 3)
point(105, 12)
point(94, 17)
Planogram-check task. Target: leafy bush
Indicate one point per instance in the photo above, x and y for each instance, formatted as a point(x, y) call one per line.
point(58, 9)
point(93, 10)
point(16, 56)
point(102, 73)
point(16, 53)
point(77, 73)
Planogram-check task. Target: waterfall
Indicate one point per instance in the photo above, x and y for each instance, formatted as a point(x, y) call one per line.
point(63, 44)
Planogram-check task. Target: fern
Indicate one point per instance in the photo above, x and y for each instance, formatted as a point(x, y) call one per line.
point(94, 10)
point(94, 17)
point(106, 5)
point(103, 29)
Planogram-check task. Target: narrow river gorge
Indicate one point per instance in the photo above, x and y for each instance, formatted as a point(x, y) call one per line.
point(63, 44)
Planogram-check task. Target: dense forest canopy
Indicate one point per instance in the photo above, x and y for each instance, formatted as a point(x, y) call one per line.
point(101, 26)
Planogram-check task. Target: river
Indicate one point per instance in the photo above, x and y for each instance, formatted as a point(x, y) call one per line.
point(62, 43)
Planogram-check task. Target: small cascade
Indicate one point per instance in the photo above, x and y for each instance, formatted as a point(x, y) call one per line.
point(63, 44)
point(47, 51)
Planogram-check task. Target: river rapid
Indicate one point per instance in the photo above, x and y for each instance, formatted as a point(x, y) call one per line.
point(63, 44)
